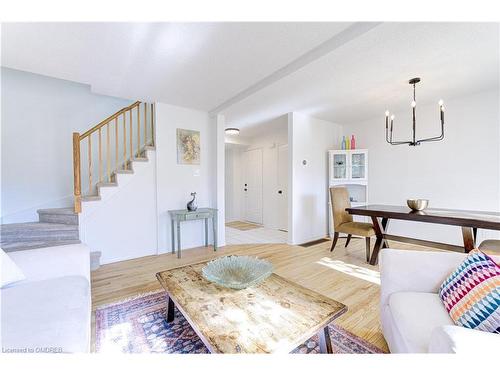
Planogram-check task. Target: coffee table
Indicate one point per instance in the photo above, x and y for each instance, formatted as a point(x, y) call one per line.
point(274, 317)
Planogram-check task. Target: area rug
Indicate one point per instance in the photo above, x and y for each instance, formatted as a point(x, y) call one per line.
point(138, 325)
point(243, 225)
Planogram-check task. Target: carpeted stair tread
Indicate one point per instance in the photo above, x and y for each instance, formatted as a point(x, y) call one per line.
point(28, 245)
point(58, 216)
point(36, 231)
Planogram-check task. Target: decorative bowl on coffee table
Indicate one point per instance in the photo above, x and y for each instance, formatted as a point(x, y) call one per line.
point(237, 272)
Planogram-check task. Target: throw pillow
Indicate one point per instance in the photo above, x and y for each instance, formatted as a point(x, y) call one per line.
point(471, 294)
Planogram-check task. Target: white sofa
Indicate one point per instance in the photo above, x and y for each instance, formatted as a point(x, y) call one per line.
point(414, 319)
point(50, 310)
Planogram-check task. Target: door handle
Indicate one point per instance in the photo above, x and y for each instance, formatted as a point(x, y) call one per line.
point(245, 189)
point(280, 192)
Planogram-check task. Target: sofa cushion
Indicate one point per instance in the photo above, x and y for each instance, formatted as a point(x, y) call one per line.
point(9, 271)
point(416, 314)
point(471, 294)
point(48, 315)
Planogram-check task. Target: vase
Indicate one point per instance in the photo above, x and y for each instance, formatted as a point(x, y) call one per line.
point(191, 206)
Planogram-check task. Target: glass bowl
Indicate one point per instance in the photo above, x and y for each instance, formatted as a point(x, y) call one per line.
point(237, 272)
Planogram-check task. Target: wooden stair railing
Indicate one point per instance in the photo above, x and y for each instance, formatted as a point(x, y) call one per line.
point(131, 124)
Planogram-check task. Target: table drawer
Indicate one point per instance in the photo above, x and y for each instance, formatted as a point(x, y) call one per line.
point(197, 215)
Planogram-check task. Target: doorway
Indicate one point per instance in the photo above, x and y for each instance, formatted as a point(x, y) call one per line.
point(256, 184)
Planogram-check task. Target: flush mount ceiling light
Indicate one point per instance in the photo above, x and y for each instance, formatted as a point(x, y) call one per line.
point(414, 141)
point(232, 131)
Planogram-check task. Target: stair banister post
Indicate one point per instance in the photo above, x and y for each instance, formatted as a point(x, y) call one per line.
point(77, 182)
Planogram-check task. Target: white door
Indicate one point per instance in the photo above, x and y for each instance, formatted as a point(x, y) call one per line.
point(282, 187)
point(252, 189)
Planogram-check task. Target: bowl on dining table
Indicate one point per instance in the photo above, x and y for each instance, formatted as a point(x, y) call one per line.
point(417, 204)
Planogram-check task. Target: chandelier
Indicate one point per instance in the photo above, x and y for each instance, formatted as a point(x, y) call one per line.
point(414, 141)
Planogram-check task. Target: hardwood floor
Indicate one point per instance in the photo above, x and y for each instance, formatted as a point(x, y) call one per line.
point(342, 275)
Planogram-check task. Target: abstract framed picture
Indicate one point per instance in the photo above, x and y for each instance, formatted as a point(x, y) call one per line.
point(188, 146)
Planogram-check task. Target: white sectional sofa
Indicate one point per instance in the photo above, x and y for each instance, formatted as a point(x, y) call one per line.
point(414, 319)
point(50, 310)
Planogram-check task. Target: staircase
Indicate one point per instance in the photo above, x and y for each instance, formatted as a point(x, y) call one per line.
point(109, 149)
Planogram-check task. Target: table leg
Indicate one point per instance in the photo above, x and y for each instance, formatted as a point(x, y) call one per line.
point(468, 237)
point(214, 224)
point(474, 231)
point(172, 235)
point(379, 232)
point(178, 239)
point(170, 309)
point(206, 232)
point(325, 343)
point(385, 225)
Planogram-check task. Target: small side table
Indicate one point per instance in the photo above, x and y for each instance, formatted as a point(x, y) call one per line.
point(176, 216)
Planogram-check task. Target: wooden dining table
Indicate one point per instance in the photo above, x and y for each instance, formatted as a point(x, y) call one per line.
point(468, 221)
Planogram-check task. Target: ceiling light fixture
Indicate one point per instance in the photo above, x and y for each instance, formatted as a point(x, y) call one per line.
point(414, 141)
point(232, 131)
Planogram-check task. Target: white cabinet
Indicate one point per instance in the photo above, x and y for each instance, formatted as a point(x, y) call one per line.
point(349, 168)
point(348, 165)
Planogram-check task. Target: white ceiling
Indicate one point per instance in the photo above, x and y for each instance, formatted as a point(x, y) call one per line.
point(364, 77)
point(342, 72)
point(197, 65)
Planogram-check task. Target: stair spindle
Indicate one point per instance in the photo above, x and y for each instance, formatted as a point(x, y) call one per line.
point(108, 156)
point(145, 123)
point(100, 157)
point(130, 125)
point(77, 181)
point(124, 140)
point(90, 164)
point(138, 128)
point(116, 143)
point(152, 129)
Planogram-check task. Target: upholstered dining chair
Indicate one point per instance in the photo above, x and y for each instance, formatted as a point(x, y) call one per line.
point(344, 223)
point(492, 246)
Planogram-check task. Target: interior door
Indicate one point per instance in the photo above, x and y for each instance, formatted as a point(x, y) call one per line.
point(253, 186)
point(283, 187)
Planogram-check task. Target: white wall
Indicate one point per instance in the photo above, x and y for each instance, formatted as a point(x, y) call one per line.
point(38, 117)
point(460, 172)
point(123, 224)
point(175, 181)
point(271, 134)
point(309, 140)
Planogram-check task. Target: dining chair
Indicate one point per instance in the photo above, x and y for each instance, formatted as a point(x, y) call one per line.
point(344, 223)
point(492, 246)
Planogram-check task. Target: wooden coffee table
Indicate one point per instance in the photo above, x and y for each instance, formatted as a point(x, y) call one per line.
point(273, 317)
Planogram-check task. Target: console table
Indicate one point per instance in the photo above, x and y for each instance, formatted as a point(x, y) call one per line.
point(176, 216)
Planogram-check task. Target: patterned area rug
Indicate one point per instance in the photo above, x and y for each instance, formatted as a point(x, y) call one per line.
point(138, 325)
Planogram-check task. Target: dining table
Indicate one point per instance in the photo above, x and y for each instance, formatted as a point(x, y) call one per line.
point(468, 221)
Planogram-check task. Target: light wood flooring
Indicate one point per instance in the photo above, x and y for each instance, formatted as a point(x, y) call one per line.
point(342, 275)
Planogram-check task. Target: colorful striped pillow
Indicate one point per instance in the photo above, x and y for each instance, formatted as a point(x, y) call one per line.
point(471, 294)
